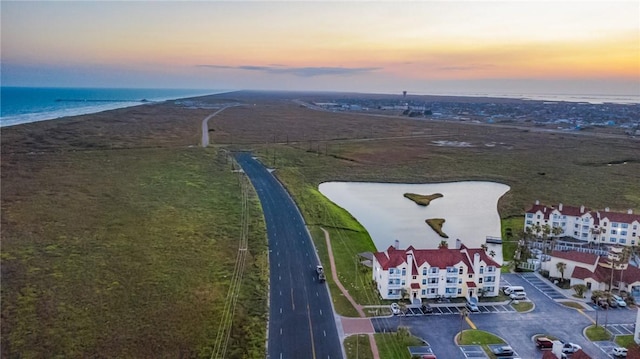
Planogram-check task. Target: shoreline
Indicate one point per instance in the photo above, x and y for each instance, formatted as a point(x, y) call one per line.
point(14, 120)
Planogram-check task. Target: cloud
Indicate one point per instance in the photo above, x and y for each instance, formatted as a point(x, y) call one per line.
point(466, 68)
point(299, 71)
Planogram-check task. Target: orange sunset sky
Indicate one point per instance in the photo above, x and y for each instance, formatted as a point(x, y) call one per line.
point(422, 47)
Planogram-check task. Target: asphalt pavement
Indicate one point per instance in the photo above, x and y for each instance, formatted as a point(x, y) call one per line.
point(302, 323)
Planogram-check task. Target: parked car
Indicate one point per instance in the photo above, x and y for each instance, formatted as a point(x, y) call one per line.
point(544, 343)
point(518, 295)
point(395, 308)
point(426, 309)
point(601, 302)
point(619, 352)
point(429, 356)
point(570, 348)
point(618, 299)
point(612, 303)
point(503, 351)
point(472, 305)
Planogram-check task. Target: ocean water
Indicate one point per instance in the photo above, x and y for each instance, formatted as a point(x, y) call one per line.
point(29, 104)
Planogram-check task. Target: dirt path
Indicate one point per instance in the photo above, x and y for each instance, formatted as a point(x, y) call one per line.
point(351, 326)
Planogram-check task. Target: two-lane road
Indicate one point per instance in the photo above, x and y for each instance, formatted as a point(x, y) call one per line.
point(301, 318)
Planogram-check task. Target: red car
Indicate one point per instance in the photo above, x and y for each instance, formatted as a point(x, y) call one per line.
point(544, 343)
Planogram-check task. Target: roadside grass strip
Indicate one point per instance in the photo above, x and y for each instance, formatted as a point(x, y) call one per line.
point(221, 343)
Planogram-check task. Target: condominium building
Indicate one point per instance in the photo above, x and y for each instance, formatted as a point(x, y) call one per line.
point(605, 227)
point(430, 273)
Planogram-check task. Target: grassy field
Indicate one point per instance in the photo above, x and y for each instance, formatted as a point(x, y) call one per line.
point(119, 233)
point(124, 253)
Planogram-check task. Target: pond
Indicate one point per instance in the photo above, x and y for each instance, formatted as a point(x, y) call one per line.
point(469, 208)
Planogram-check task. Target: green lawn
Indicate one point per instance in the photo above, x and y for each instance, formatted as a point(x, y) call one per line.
point(395, 345)
point(598, 333)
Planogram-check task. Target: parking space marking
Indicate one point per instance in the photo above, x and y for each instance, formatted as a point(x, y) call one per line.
point(621, 329)
point(541, 286)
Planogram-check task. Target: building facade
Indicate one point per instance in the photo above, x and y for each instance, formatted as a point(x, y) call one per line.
point(603, 227)
point(432, 273)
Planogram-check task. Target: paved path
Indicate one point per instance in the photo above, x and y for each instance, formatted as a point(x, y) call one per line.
point(352, 326)
point(205, 125)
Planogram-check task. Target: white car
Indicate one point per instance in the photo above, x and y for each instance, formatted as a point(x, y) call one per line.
point(619, 352)
point(618, 299)
point(570, 348)
point(395, 308)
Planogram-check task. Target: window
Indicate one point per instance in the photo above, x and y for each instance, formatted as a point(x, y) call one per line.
point(576, 225)
point(612, 240)
point(489, 289)
point(623, 241)
point(390, 292)
point(452, 280)
point(470, 276)
point(481, 269)
point(414, 277)
point(613, 231)
point(460, 281)
point(424, 282)
point(450, 291)
point(460, 270)
point(623, 233)
point(424, 271)
point(391, 271)
point(624, 225)
point(604, 224)
point(433, 280)
point(403, 283)
point(614, 224)
point(491, 269)
point(489, 279)
point(424, 292)
point(479, 280)
point(434, 270)
point(459, 290)
point(404, 271)
point(433, 291)
point(529, 222)
point(529, 215)
point(451, 270)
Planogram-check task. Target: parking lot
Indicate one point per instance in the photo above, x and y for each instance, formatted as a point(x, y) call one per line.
point(455, 309)
point(543, 286)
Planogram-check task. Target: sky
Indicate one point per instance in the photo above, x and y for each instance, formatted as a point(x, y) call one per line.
point(423, 47)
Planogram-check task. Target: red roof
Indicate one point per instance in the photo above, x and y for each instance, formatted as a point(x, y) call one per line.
point(471, 284)
point(602, 274)
point(582, 257)
point(619, 217)
point(441, 257)
point(415, 286)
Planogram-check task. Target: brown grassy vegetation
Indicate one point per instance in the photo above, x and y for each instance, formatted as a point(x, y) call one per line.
point(124, 252)
point(436, 224)
point(423, 199)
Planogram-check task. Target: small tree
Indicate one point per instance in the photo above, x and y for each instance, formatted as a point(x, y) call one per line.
point(580, 289)
point(561, 266)
point(443, 244)
point(492, 253)
point(484, 246)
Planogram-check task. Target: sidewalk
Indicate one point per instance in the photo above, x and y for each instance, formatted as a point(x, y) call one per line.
point(351, 326)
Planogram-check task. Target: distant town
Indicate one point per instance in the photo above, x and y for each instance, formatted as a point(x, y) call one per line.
point(560, 115)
